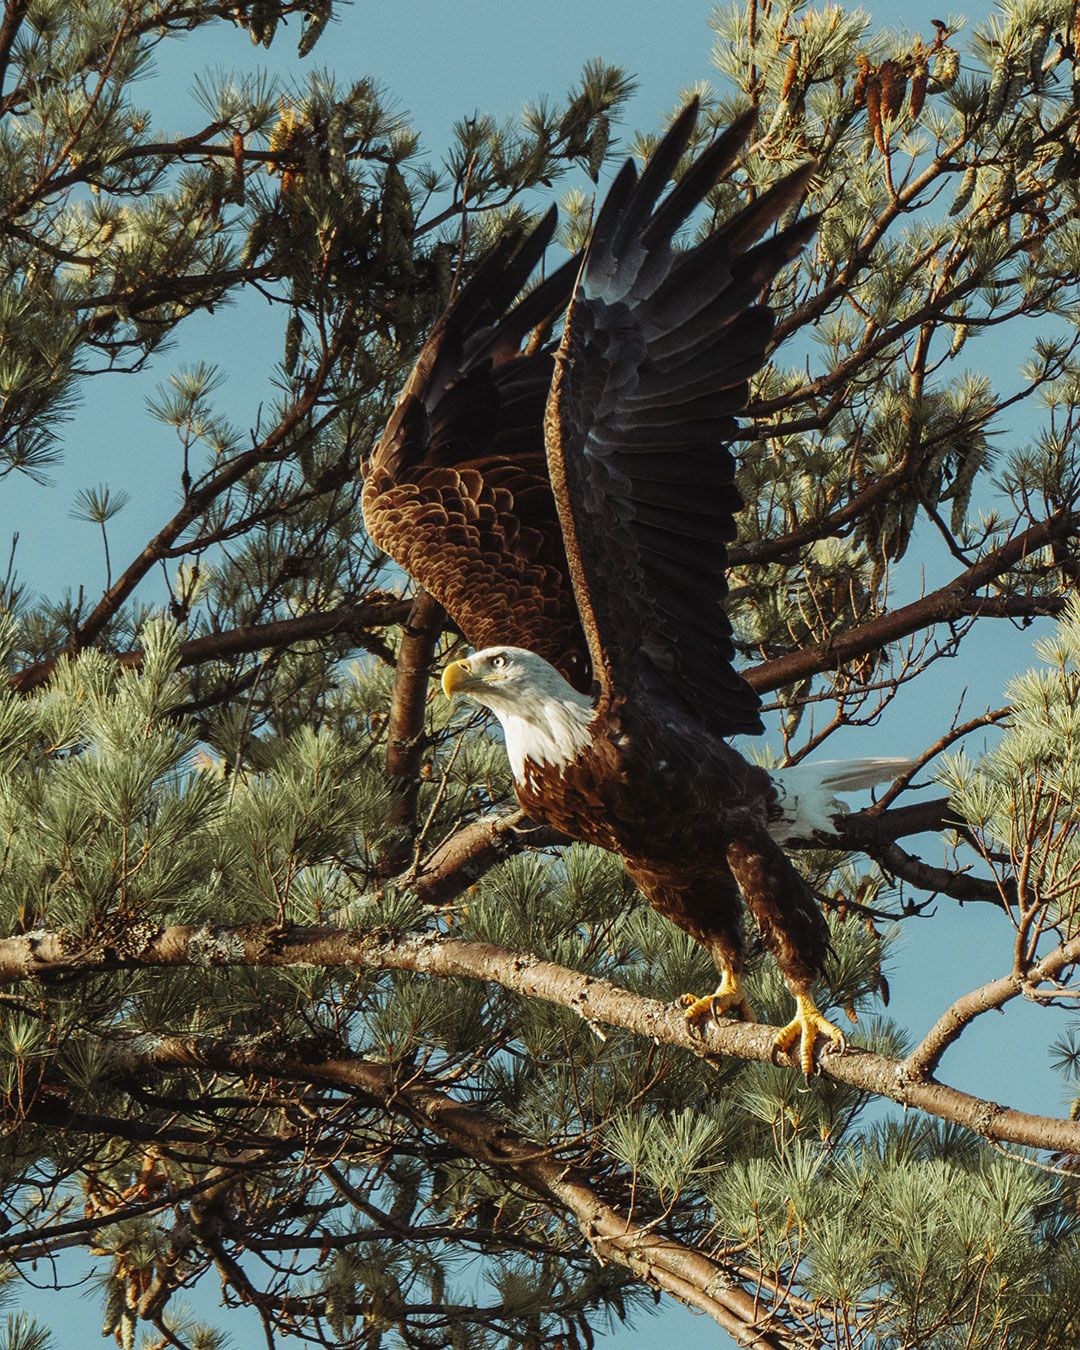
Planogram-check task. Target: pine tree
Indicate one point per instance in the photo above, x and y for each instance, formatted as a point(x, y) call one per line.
point(294, 1000)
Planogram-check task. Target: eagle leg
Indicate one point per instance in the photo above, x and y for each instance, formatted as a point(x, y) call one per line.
point(807, 1028)
point(728, 997)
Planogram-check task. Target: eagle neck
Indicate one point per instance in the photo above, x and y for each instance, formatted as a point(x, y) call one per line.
point(550, 732)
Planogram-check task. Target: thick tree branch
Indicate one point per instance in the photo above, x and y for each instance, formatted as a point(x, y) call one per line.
point(596, 1000)
point(408, 700)
point(960, 886)
point(14, 13)
point(925, 1058)
point(463, 859)
point(1014, 606)
point(875, 832)
point(863, 830)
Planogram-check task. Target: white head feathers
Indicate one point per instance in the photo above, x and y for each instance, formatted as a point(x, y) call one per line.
point(544, 719)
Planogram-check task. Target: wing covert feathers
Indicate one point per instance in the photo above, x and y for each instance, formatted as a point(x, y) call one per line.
point(457, 489)
point(656, 354)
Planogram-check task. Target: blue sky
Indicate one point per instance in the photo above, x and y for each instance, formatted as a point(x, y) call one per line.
point(441, 61)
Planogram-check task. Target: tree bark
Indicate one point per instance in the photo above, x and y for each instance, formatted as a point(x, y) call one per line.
point(595, 1000)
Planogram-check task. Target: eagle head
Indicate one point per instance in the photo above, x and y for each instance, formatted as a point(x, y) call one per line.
point(544, 718)
point(501, 676)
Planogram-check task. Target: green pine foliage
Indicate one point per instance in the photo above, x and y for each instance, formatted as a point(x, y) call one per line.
point(1019, 797)
point(203, 738)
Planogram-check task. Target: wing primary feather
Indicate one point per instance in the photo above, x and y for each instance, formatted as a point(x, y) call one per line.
point(473, 299)
point(655, 176)
point(543, 304)
point(752, 222)
point(705, 375)
point(684, 574)
point(702, 175)
point(709, 407)
point(684, 296)
point(722, 249)
point(490, 291)
point(607, 220)
point(682, 517)
point(754, 326)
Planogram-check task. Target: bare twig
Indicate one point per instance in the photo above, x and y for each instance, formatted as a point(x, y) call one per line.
point(947, 603)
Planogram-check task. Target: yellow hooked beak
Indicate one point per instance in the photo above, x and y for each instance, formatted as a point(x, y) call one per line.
point(455, 677)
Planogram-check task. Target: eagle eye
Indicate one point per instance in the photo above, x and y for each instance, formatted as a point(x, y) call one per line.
point(498, 662)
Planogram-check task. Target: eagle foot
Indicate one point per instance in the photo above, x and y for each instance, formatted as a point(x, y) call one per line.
point(729, 997)
point(807, 1028)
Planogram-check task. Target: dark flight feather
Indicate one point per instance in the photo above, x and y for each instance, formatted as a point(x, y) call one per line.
point(656, 352)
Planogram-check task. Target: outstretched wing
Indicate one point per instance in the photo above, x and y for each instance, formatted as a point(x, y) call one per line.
point(654, 364)
point(457, 489)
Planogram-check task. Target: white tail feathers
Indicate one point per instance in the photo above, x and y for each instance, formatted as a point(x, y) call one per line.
point(808, 803)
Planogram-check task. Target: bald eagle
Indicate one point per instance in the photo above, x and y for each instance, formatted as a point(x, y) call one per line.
point(570, 505)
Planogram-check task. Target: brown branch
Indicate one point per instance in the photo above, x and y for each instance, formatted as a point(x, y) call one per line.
point(202, 1216)
point(150, 293)
point(863, 830)
point(463, 859)
point(960, 886)
point(596, 1000)
point(375, 611)
point(405, 722)
point(843, 282)
point(14, 13)
point(660, 1261)
point(56, 1233)
point(48, 185)
point(1013, 606)
point(875, 834)
point(757, 552)
point(945, 605)
point(925, 1058)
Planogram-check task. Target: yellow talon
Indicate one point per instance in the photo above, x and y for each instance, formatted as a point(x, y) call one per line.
point(729, 996)
point(808, 1027)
